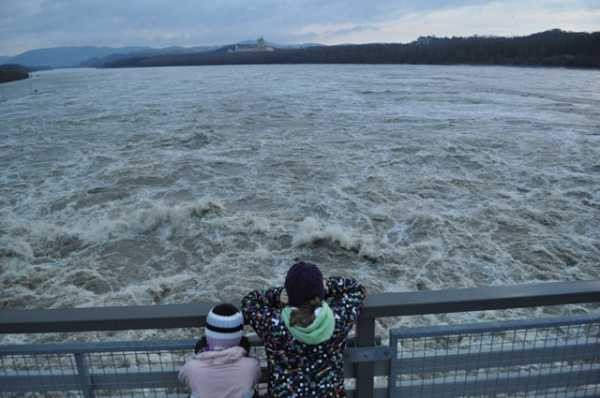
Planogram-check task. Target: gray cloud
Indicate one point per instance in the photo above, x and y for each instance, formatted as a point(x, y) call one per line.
point(354, 29)
point(26, 24)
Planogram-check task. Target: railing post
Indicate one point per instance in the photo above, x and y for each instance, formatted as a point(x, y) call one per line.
point(84, 375)
point(365, 371)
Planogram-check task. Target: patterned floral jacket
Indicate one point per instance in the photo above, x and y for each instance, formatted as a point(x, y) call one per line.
point(297, 369)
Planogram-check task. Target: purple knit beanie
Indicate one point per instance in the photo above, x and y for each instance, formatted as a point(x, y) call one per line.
point(304, 282)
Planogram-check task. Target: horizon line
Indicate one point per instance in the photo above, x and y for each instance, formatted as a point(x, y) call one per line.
point(299, 43)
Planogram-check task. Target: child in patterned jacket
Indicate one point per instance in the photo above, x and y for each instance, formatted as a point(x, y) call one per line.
point(304, 326)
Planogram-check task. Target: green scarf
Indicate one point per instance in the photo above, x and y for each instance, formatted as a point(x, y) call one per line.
point(318, 331)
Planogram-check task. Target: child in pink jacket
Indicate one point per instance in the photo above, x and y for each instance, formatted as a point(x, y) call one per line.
point(221, 368)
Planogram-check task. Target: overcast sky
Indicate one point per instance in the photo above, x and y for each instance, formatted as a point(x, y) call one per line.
point(29, 24)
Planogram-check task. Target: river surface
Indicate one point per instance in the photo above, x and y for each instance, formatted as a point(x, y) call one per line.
point(194, 184)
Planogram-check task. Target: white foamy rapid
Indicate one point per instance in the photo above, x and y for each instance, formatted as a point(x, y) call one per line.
point(175, 185)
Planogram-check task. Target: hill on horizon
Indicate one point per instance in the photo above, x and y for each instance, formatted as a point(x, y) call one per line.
point(58, 57)
point(75, 56)
point(151, 52)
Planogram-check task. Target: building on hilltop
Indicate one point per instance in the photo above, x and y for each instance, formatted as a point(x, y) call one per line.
point(260, 45)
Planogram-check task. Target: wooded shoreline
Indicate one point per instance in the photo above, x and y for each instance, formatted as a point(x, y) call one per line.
point(9, 73)
point(551, 48)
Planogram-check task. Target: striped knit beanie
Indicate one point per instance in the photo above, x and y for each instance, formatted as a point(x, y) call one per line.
point(224, 327)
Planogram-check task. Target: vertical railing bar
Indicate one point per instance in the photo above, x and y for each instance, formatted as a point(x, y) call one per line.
point(393, 365)
point(365, 371)
point(84, 375)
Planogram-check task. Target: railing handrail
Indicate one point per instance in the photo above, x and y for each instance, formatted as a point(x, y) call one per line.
point(482, 298)
point(376, 306)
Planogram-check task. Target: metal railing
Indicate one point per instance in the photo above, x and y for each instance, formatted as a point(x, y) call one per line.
point(555, 357)
point(364, 362)
point(90, 370)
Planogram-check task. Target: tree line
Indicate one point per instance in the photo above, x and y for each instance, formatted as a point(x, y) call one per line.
point(550, 48)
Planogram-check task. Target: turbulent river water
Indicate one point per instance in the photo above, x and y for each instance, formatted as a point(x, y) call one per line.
point(173, 185)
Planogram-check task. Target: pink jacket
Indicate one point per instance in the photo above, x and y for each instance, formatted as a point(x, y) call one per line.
point(221, 374)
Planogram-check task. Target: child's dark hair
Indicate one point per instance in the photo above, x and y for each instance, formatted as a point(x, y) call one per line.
point(202, 345)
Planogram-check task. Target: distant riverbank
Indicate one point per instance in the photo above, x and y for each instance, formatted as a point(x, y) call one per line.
point(550, 48)
point(9, 73)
